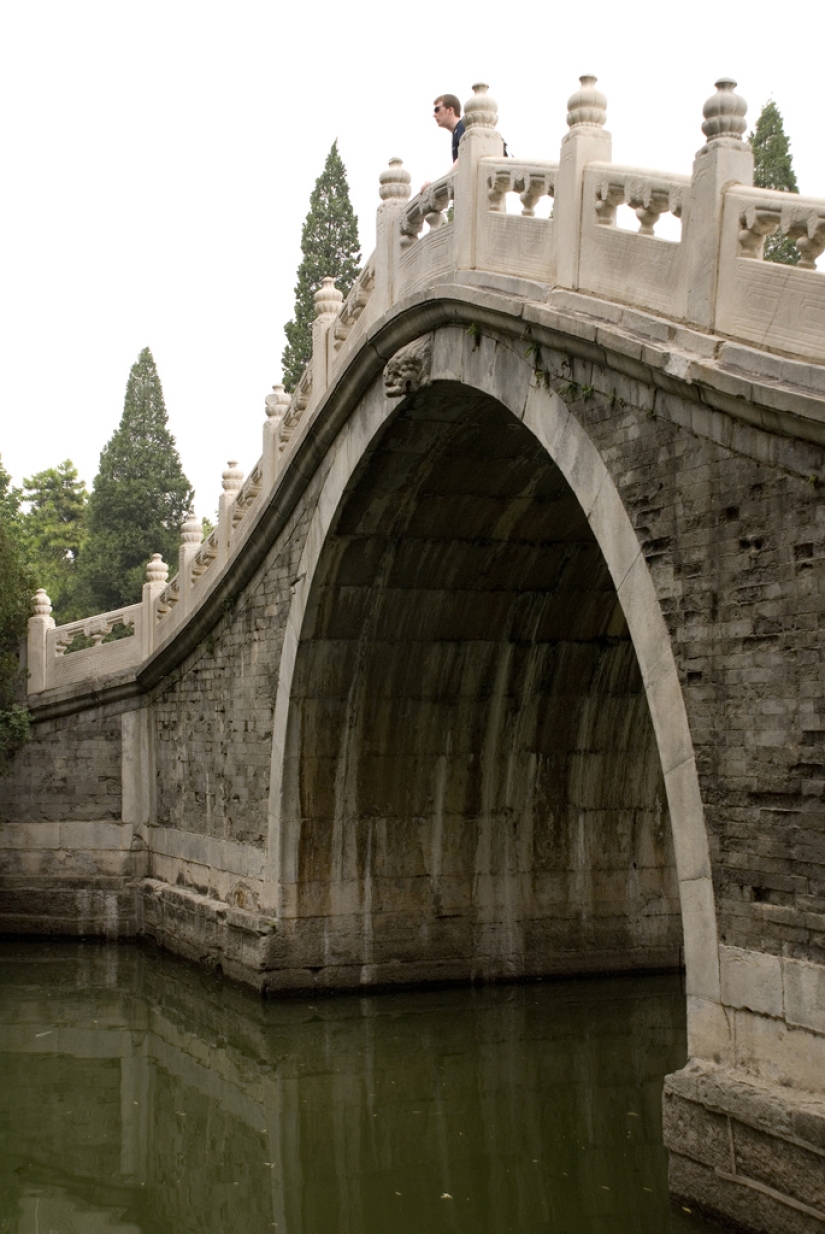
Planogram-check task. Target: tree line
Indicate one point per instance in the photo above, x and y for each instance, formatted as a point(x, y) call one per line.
point(88, 551)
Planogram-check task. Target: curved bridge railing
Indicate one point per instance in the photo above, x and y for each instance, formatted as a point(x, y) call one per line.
point(493, 220)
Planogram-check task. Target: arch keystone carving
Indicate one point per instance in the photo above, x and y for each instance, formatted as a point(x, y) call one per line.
point(409, 369)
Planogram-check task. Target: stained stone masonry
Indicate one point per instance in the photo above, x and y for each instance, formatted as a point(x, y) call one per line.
point(506, 658)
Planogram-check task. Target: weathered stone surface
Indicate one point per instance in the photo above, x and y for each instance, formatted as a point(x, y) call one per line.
point(749, 1149)
point(499, 678)
point(695, 1132)
point(780, 1165)
point(744, 1207)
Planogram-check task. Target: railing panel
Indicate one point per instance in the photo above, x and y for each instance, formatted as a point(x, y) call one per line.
point(424, 257)
point(526, 247)
point(354, 314)
point(424, 261)
point(97, 661)
point(775, 306)
point(640, 268)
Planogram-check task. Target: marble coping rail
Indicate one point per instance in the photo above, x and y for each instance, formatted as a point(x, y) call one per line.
point(649, 193)
point(531, 181)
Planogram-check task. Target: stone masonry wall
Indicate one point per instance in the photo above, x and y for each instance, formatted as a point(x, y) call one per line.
point(732, 525)
point(213, 736)
point(68, 863)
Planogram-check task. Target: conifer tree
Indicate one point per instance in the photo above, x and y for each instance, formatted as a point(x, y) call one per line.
point(53, 531)
point(329, 244)
point(773, 169)
point(139, 499)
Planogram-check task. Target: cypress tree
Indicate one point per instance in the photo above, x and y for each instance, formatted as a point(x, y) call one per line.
point(139, 499)
point(773, 169)
point(329, 244)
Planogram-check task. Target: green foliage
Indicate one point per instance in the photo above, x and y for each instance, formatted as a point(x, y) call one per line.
point(10, 498)
point(773, 169)
point(139, 499)
point(329, 244)
point(53, 531)
point(16, 589)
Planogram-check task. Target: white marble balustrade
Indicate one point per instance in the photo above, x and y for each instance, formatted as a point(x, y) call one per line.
point(712, 279)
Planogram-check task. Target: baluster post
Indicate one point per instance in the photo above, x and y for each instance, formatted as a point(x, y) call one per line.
point(231, 481)
point(157, 573)
point(40, 623)
point(191, 536)
point(394, 190)
point(277, 405)
point(726, 159)
point(328, 301)
point(586, 141)
point(471, 204)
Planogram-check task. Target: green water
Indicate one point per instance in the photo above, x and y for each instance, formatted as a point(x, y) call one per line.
point(139, 1094)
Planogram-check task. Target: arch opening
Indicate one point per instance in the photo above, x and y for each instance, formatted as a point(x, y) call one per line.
point(471, 782)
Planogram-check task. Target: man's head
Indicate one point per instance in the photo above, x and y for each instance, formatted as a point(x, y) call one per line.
point(447, 111)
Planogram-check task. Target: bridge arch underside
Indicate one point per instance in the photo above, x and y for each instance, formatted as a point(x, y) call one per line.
point(471, 785)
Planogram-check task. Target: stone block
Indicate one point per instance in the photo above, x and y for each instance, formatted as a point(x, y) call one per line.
point(644, 618)
point(701, 954)
point(786, 1168)
point(804, 995)
point(691, 1130)
point(752, 980)
point(28, 836)
point(687, 821)
point(731, 1199)
point(86, 836)
point(809, 1125)
point(784, 1055)
point(613, 531)
point(709, 1031)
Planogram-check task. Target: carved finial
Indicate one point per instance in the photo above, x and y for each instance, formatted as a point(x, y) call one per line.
point(328, 299)
point(232, 478)
point(191, 532)
point(277, 403)
point(587, 105)
point(157, 570)
point(724, 113)
point(42, 604)
point(481, 111)
point(394, 182)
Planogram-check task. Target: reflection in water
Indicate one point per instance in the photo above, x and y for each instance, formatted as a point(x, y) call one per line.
point(140, 1095)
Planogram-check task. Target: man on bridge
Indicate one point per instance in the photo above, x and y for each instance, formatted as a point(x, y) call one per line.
point(447, 112)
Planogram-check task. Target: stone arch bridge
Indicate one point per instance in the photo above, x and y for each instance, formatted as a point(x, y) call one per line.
point(506, 659)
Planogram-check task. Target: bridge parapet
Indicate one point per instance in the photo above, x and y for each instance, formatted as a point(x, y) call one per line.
point(711, 280)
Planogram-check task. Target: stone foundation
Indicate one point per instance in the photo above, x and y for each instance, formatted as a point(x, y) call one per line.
point(71, 878)
point(753, 1151)
point(313, 954)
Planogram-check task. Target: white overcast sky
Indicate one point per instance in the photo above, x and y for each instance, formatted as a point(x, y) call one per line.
point(158, 159)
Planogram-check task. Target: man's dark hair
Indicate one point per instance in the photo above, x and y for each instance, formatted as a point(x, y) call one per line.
point(449, 100)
